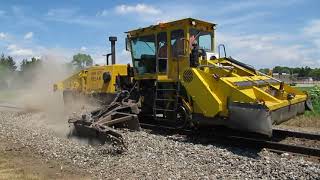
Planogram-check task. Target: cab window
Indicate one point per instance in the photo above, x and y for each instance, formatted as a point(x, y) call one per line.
point(162, 52)
point(203, 38)
point(177, 43)
point(144, 54)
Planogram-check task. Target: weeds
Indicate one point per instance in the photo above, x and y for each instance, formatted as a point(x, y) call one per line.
point(314, 94)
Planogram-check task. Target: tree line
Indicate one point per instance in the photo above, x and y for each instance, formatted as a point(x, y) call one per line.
point(25, 71)
point(9, 68)
point(301, 72)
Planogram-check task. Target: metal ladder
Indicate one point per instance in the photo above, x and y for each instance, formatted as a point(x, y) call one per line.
point(161, 100)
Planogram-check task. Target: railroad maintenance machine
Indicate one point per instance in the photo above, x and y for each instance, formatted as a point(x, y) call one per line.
point(178, 78)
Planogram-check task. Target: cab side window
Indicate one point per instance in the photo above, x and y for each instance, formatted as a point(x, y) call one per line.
point(162, 46)
point(177, 43)
point(144, 54)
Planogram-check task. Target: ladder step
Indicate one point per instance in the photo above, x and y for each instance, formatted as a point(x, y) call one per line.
point(165, 99)
point(162, 119)
point(166, 89)
point(169, 110)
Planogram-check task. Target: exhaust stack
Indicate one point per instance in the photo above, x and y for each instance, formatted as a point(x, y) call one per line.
point(113, 40)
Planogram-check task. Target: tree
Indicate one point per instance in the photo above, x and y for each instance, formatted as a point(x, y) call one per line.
point(7, 69)
point(30, 65)
point(304, 71)
point(8, 63)
point(11, 64)
point(82, 60)
point(281, 70)
point(29, 69)
point(315, 73)
point(265, 70)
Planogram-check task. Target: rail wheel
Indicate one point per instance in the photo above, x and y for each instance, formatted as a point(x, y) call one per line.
point(182, 118)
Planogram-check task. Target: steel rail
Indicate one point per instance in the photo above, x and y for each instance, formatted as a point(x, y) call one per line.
point(297, 134)
point(237, 140)
point(272, 145)
point(11, 107)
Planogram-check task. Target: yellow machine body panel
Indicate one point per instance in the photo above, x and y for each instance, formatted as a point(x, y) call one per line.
point(177, 70)
point(95, 81)
point(214, 87)
point(174, 62)
point(91, 80)
point(210, 96)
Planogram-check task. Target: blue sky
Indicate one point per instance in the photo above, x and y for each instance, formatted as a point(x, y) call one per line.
point(261, 33)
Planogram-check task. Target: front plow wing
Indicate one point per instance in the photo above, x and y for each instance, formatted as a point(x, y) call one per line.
point(250, 117)
point(258, 118)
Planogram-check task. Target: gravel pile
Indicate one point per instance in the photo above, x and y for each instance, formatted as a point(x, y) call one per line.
point(151, 156)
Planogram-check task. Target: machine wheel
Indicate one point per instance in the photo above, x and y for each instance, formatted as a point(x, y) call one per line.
point(182, 118)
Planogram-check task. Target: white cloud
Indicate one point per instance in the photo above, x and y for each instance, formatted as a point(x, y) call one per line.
point(124, 57)
point(14, 50)
point(28, 35)
point(102, 13)
point(312, 32)
point(3, 35)
point(61, 12)
point(242, 19)
point(139, 8)
point(313, 28)
point(267, 50)
point(240, 6)
point(72, 16)
point(2, 13)
point(83, 48)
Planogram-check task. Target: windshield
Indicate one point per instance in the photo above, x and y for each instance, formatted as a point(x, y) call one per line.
point(144, 54)
point(203, 38)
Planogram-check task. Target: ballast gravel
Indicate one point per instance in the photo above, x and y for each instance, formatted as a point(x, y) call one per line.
point(151, 156)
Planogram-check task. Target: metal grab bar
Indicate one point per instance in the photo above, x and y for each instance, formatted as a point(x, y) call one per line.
point(224, 49)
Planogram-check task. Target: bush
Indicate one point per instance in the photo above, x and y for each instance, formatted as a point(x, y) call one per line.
point(314, 94)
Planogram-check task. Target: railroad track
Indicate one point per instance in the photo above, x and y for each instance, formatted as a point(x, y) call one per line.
point(241, 139)
point(10, 106)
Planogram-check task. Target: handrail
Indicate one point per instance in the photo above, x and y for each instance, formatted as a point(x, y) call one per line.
point(224, 49)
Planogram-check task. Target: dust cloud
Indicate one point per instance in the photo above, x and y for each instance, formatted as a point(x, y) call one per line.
point(38, 96)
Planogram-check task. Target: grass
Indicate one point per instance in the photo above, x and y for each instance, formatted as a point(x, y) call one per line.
point(315, 101)
point(6, 95)
point(310, 119)
point(305, 88)
point(314, 93)
point(304, 121)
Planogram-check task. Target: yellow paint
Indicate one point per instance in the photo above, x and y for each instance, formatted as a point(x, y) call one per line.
point(183, 61)
point(214, 84)
point(90, 80)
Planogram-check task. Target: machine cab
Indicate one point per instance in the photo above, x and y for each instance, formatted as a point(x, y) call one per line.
point(163, 51)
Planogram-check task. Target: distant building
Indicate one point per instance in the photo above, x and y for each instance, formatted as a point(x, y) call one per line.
point(287, 78)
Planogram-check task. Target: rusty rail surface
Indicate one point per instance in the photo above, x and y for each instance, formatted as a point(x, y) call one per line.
point(236, 139)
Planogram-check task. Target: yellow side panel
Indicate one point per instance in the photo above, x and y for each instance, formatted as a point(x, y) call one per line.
point(90, 80)
point(94, 80)
point(203, 97)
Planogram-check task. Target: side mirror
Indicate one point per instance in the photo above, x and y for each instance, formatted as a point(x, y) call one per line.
point(128, 47)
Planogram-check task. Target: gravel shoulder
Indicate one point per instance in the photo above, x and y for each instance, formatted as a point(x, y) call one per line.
point(303, 123)
point(17, 162)
point(150, 156)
